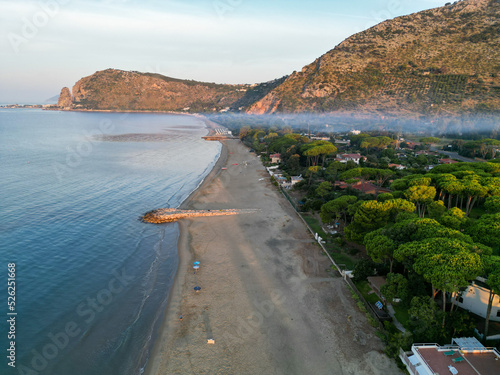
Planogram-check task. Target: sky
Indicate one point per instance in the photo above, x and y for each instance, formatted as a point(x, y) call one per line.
point(48, 44)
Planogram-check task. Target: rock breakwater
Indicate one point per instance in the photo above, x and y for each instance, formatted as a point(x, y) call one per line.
point(168, 215)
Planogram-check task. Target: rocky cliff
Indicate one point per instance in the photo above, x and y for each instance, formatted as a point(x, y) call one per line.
point(65, 99)
point(113, 89)
point(443, 60)
point(440, 61)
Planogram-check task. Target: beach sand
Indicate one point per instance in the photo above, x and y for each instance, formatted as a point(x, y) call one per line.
point(269, 299)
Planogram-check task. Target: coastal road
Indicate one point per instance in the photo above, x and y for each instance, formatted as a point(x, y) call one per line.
point(454, 155)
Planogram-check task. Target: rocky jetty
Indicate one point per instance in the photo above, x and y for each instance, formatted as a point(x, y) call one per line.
point(168, 215)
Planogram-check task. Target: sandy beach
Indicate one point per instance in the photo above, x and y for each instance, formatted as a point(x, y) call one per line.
point(268, 297)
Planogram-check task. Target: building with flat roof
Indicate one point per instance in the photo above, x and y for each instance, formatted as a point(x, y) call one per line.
point(465, 356)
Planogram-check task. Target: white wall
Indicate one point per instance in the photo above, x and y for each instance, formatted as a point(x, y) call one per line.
point(475, 300)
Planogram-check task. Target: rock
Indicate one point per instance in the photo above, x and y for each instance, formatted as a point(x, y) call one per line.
point(65, 99)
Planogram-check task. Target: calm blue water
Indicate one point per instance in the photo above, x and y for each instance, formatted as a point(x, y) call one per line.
point(92, 281)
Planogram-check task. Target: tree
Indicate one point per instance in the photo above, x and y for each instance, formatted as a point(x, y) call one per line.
point(424, 319)
point(363, 269)
point(380, 247)
point(323, 189)
point(384, 197)
point(452, 186)
point(326, 150)
point(376, 142)
point(436, 209)
point(293, 163)
point(362, 173)
point(338, 207)
point(454, 218)
point(334, 168)
point(429, 140)
point(270, 137)
point(472, 189)
point(372, 215)
point(381, 176)
point(421, 195)
point(398, 205)
point(312, 155)
point(314, 150)
point(447, 264)
point(396, 286)
point(485, 146)
point(420, 229)
point(356, 140)
point(421, 160)
point(492, 204)
point(492, 269)
point(244, 131)
point(486, 230)
point(311, 171)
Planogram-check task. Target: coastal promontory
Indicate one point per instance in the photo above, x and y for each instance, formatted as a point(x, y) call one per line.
point(441, 61)
point(65, 98)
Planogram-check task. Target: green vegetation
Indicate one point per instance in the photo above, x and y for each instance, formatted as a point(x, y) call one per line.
point(431, 235)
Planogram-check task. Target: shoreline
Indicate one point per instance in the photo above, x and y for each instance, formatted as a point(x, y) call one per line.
point(269, 299)
point(184, 255)
point(116, 111)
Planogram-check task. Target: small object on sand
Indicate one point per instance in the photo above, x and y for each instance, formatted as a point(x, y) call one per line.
point(196, 267)
point(235, 164)
point(197, 288)
point(211, 341)
point(196, 263)
point(180, 318)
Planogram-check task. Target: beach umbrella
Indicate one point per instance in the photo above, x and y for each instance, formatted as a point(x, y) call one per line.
point(197, 288)
point(196, 263)
point(196, 267)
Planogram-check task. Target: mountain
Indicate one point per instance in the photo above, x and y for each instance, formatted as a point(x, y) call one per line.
point(52, 100)
point(113, 89)
point(440, 61)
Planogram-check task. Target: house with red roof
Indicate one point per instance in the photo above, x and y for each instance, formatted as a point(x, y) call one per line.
point(275, 158)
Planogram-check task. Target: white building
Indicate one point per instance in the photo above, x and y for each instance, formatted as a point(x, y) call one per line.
point(296, 180)
point(344, 158)
point(464, 356)
point(475, 299)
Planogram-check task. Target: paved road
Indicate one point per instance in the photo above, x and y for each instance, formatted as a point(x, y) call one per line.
point(454, 155)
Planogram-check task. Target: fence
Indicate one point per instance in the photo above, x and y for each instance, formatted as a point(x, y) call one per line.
point(368, 306)
point(310, 229)
point(346, 278)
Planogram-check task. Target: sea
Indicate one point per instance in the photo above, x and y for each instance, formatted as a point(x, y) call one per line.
point(90, 280)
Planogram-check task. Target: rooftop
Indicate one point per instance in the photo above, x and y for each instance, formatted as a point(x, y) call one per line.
point(475, 358)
